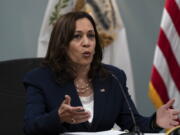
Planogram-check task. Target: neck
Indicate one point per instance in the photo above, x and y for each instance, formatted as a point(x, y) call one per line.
point(82, 82)
point(82, 71)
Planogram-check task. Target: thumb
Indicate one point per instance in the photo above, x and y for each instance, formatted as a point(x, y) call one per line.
point(169, 103)
point(67, 100)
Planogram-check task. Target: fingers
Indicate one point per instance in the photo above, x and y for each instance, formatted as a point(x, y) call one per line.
point(169, 103)
point(173, 117)
point(78, 116)
point(81, 117)
point(175, 112)
point(67, 100)
point(70, 114)
point(72, 110)
point(167, 117)
point(77, 110)
point(174, 123)
point(65, 104)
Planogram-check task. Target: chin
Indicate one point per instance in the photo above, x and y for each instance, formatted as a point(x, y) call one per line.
point(85, 63)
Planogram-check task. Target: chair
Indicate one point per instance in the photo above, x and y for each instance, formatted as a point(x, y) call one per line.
point(12, 94)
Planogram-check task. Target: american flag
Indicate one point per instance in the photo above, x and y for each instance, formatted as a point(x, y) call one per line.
point(165, 78)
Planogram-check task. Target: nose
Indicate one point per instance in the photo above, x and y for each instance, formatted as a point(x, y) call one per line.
point(85, 41)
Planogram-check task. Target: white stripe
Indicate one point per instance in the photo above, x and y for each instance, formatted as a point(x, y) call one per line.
point(162, 67)
point(171, 34)
point(175, 95)
point(46, 29)
point(178, 3)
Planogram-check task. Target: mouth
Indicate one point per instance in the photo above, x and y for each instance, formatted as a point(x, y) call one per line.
point(86, 54)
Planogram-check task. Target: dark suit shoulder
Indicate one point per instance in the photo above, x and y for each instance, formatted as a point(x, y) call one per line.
point(115, 70)
point(38, 75)
point(112, 68)
point(37, 72)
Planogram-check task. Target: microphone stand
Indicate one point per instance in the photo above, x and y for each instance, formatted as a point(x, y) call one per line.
point(136, 130)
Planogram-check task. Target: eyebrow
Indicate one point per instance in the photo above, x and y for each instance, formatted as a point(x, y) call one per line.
point(79, 31)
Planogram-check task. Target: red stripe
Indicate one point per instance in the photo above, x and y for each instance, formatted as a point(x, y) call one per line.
point(174, 12)
point(173, 66)
point(159, 85)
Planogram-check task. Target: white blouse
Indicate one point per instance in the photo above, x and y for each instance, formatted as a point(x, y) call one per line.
point(88, 105)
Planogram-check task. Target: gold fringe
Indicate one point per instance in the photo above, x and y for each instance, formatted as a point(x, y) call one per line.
point(80, 4)
point(152, 93)
point(106, 39)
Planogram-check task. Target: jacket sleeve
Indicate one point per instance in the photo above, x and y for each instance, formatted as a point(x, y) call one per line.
point(37, 120)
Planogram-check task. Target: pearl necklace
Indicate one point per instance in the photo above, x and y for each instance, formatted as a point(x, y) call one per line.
point(82, 87)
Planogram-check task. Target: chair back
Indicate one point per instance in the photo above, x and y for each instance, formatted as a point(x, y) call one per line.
point(12, 94)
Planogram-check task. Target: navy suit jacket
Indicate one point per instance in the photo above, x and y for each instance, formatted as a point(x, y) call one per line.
point(45, 95)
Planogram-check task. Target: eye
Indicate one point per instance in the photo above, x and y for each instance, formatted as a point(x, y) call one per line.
point(91, 36)
point(77, 36)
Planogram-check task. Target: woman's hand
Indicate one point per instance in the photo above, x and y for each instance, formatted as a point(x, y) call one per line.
point(70, 114)
point(166, 117)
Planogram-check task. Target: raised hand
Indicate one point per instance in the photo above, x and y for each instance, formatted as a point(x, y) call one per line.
point(167, 117)
point(70, 114)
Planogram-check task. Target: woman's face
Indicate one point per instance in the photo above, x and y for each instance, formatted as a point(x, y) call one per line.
point(82, 47)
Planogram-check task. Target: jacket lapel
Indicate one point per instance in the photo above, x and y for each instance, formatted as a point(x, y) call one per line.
point(72, 92)
point(75, 101)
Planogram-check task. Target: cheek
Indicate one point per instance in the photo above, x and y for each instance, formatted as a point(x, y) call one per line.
point(73, 54)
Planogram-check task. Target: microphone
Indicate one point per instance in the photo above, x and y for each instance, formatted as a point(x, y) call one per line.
point(136, 128)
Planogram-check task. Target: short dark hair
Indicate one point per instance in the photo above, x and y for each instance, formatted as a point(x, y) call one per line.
point(57, 58)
